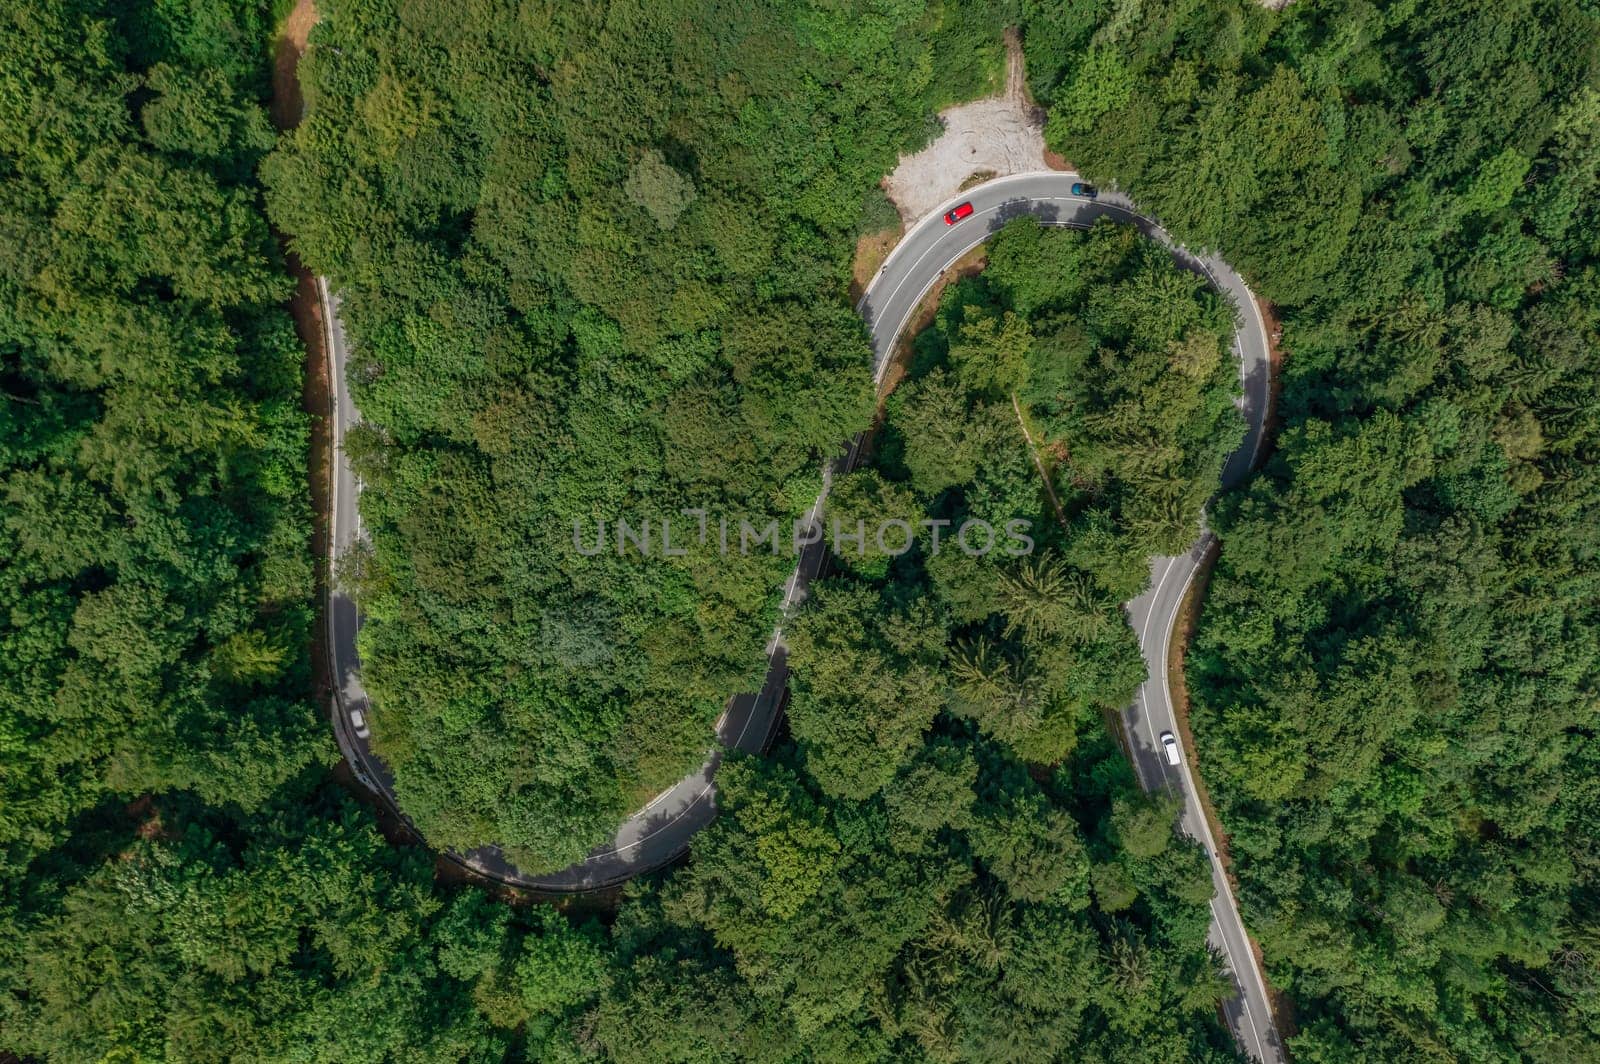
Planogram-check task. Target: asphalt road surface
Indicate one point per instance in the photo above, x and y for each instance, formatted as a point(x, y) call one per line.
point(662, 830)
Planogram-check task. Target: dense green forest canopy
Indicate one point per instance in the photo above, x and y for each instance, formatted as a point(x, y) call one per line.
point(1395, 677)
point(970, 910)
point(593, 259)
point(899, 884)
point(155, 577)
point(1090, 358)
point(970, 914)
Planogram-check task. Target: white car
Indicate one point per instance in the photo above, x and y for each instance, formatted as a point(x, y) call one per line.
point(359, 723)
point(1169, 743)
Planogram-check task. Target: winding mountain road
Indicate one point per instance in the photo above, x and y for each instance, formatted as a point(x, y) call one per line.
point(662, 830)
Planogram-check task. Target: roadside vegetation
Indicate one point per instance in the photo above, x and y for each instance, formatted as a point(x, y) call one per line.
point(155, 579)
point(989, 886)
point(973, 909)
point(953, 860)
point(1394, 677)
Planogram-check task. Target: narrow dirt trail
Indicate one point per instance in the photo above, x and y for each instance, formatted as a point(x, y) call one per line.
point(1033, 452)
point(287, 107)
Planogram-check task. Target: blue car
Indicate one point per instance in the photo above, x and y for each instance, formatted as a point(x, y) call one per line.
point(1084, 190)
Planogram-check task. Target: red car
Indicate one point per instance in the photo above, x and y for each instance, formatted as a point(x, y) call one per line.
point(959, 212)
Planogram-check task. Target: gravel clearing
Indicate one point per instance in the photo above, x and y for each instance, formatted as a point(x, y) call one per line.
point(1001, 134)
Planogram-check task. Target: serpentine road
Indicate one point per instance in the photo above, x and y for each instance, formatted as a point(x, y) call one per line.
point(662, 830)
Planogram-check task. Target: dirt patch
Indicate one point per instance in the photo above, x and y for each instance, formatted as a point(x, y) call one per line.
point(288, 103)
point(871, 250)
point(996, 135)
point(148, 814)
point(1056, 161)
point(977, 179)
point(316, 400)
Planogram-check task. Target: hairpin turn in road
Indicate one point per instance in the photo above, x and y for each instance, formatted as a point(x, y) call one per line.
point(662, 830)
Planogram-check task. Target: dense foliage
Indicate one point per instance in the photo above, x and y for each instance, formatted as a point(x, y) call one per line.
point(296, 934)
point(899, 885)
point(1006, 609)
point(593, 259)
point(155, 581)
point(1396, 672)
point(968, 913)
point(972, 914)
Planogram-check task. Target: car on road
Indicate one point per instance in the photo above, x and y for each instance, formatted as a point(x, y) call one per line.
point(1087, 191)
point(358, 721)
point(1169, 744)
point(956, 213)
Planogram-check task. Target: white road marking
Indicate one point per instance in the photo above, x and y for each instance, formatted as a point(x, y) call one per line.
point(1144, 688)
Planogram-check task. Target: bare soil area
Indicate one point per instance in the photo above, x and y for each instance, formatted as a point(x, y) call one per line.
point(1057, 161)
point(974, 180)
point(997, 135)
point(287, 101)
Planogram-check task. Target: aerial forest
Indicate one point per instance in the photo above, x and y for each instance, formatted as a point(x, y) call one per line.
point(1395, 672)
point(595, 262)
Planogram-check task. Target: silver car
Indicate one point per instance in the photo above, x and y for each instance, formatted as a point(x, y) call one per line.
point(1169, 743)
point(359, 722)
